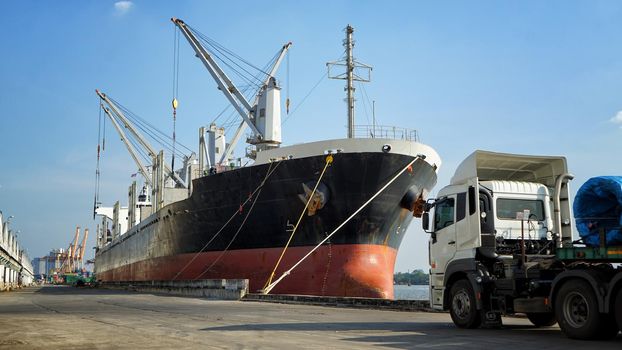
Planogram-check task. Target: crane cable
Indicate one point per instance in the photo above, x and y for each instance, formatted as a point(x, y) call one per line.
point(104, 131)
point(329, 160)
point(149, 129)
point(99, 127)
point(267, 289)
point(304, 98)
point(175, 88)
point(287, 87)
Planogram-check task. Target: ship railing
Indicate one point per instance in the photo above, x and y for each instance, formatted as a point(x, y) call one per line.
point(197, 173)
point(385, 132)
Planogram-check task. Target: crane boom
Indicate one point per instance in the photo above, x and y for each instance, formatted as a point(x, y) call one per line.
point(67, 263)
point(74, 244)
point(242, 126)
point(128, 125)
point(83, 245)
point(277, 63)
point(130, 148)
point(248, 112)
point(231, 92)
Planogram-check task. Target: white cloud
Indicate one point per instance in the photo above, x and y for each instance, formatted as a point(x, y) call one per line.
point(122, 7)
point(617, 119)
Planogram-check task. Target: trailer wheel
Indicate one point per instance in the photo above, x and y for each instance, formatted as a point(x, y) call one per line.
point(463, 309)
point(577, 312)
point(618, 309)
point(542, 319)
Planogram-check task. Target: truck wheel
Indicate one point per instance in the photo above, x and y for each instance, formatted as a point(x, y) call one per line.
point(577, 311)
point(463, 309)
point(542, 319)
point(618, 309)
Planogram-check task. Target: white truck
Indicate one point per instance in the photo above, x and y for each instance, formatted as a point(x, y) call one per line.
point(501, 243)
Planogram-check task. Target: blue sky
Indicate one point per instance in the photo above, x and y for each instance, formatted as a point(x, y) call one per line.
point(510, 76)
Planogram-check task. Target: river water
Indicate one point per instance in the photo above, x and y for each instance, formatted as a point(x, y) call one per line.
point(404, 292)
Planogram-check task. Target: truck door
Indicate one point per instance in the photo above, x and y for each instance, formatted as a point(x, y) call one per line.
point(443, 240)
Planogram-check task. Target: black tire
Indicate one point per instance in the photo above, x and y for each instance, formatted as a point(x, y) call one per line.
point(576, 308)
point(542, 319)
point(462, 305)
point(618, 309)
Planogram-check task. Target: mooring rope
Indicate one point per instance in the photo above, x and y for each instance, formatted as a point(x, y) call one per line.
point(248, 213)
point(286, 273)
point(329, 160)
point(196, 255)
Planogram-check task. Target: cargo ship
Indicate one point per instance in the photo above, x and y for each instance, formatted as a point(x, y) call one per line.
point(327, 217)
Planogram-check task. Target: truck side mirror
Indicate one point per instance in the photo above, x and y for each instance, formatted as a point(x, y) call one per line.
point(425, 221)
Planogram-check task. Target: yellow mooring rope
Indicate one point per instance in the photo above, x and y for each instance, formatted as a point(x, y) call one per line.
point(329, 160)
point(268, 288)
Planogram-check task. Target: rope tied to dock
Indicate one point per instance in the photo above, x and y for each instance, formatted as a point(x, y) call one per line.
point(237, 212)
point(267, 289)
point(329, 161)
point(248, 213)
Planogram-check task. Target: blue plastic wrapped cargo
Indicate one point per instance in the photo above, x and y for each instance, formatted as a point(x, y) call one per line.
point(597, 206)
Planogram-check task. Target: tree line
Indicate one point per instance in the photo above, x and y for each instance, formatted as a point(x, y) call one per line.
point(414, 277)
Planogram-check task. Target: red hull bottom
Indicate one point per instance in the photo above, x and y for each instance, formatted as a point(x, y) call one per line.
point(353, 270)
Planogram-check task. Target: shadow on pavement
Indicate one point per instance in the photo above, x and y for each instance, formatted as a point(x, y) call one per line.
point(63, 289)
point(443, 335)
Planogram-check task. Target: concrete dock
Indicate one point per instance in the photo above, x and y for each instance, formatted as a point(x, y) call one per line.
point(55, 317)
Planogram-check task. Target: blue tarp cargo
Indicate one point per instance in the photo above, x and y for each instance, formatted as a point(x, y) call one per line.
point(597, 207)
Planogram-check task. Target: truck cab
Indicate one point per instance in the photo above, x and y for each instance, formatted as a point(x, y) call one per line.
point(500, 215)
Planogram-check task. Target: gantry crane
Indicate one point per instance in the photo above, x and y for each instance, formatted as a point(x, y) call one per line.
point(73, 258)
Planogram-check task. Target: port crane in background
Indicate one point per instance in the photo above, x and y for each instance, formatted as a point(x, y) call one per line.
point(73, 258)
point(82, 247)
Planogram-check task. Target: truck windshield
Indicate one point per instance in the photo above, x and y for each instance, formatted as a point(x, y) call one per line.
point(507, 208)
point(444, 214)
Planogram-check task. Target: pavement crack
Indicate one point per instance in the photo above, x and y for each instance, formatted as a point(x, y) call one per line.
point(47, 308)
point(152, 310)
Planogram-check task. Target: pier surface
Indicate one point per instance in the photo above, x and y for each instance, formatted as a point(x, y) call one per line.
point(71, 318)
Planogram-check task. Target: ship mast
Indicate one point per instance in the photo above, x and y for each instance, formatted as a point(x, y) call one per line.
point(350, 87)
point(350, 64)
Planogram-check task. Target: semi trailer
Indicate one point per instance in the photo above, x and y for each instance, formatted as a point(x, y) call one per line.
point(502, 243)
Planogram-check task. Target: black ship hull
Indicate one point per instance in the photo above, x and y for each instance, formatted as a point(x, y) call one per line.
point(232, 226)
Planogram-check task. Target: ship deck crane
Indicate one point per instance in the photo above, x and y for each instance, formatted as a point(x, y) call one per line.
point(249, 112)
point(114, 113)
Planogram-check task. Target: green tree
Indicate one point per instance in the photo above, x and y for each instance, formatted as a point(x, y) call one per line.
point(417, 276)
